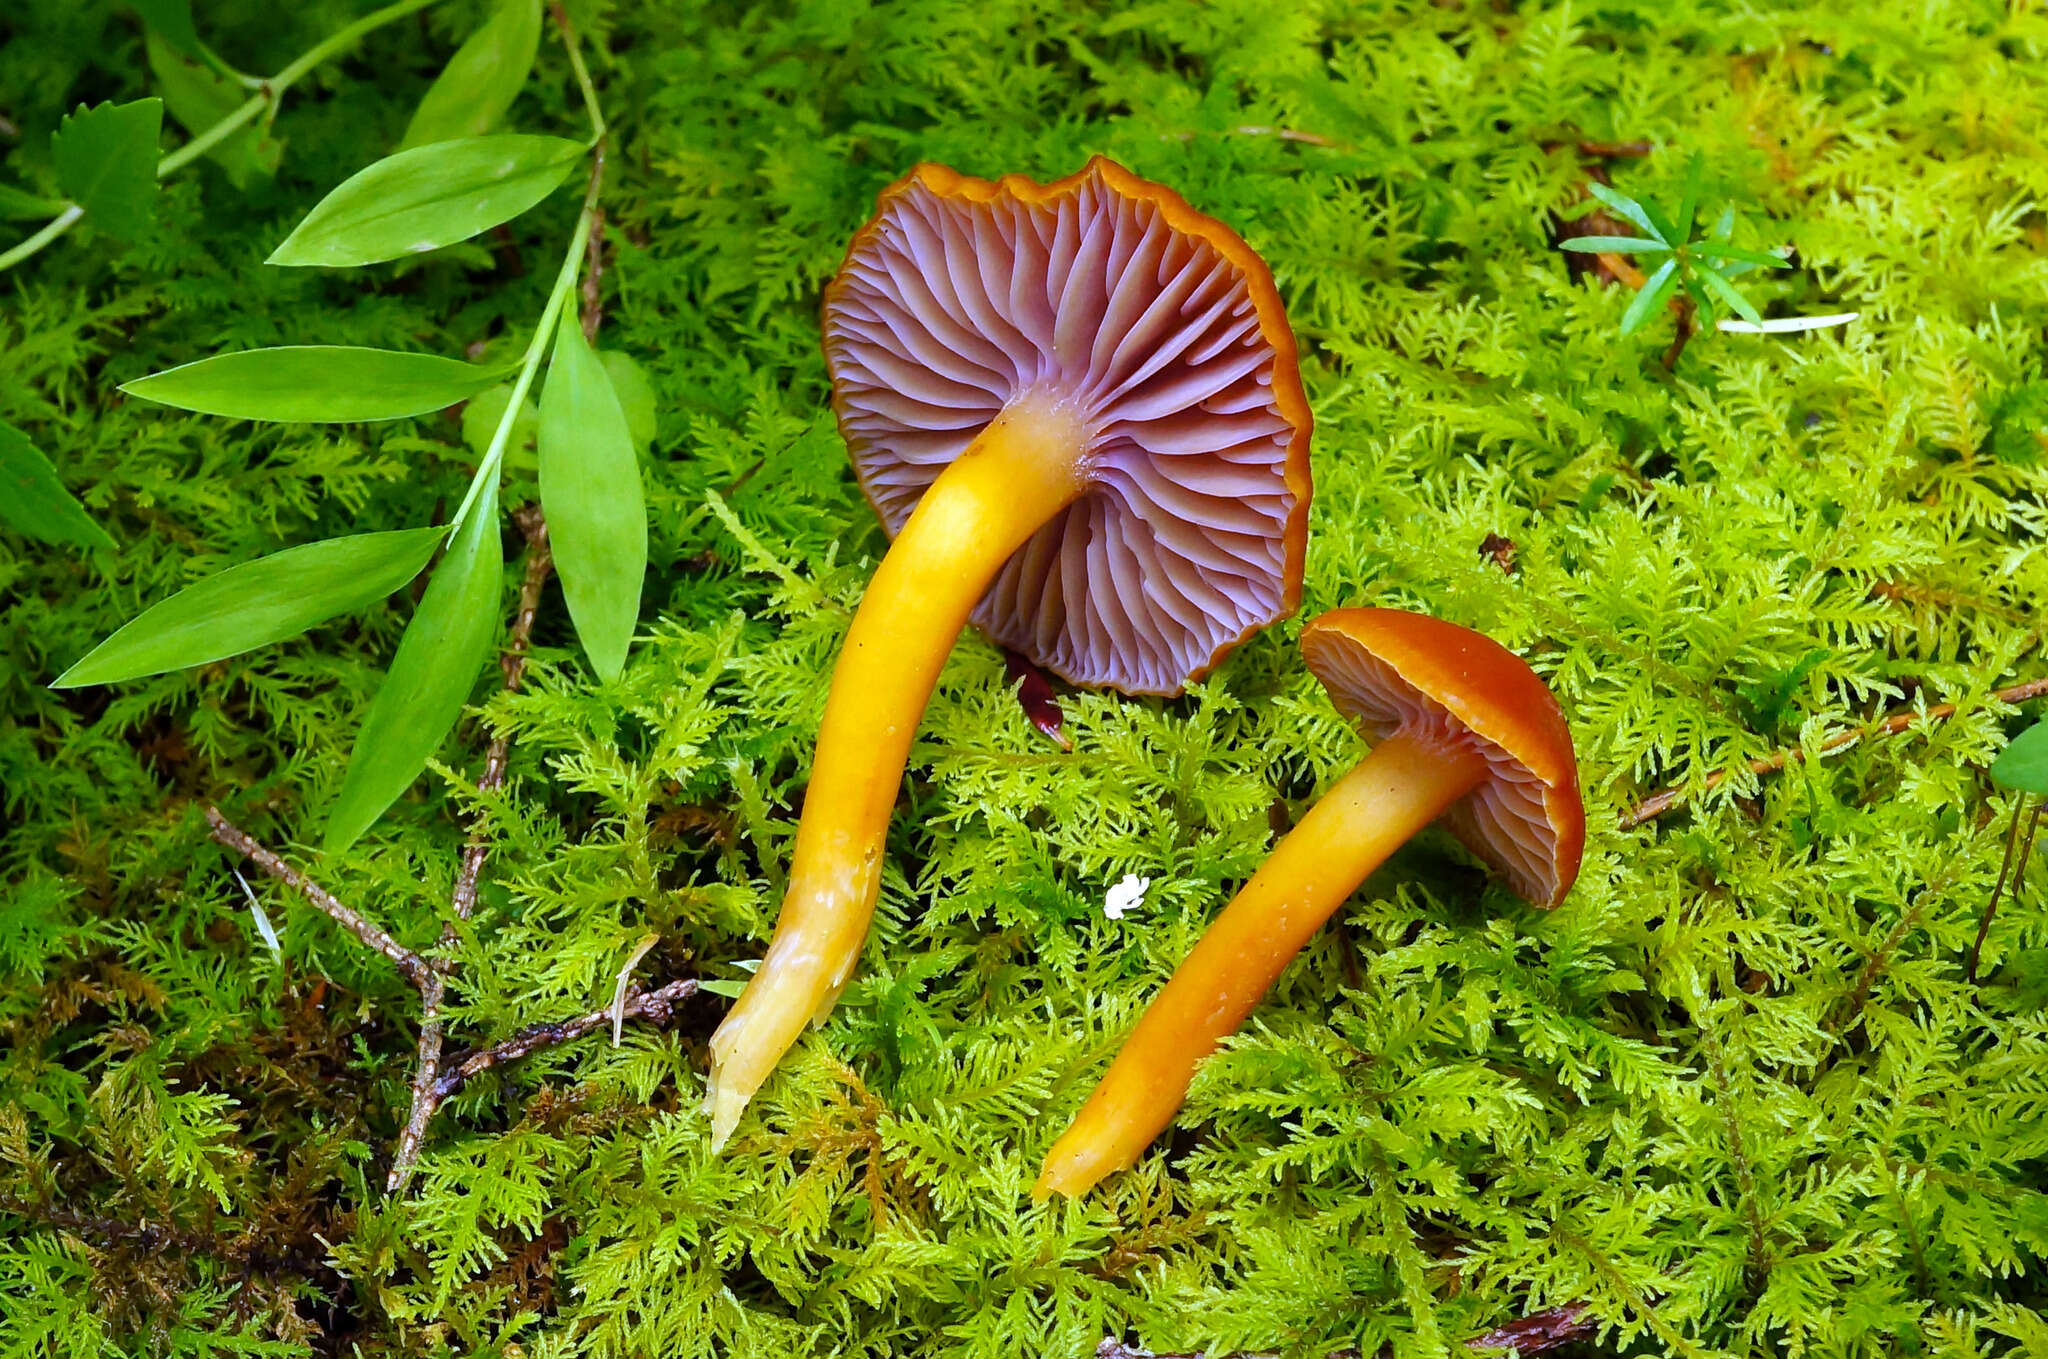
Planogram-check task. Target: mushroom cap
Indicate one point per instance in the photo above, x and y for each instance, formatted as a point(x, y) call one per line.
point(1162, 330)
point(1389, 669)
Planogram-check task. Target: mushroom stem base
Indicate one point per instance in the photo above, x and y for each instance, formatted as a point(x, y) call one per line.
point(1402, 786)
point(1019, 472)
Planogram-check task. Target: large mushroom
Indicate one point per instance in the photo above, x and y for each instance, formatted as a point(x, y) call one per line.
point(1076, 408)
point(1463, 731)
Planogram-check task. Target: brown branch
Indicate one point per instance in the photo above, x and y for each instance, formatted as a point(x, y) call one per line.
point(416, 969)
point(1529, 1335)
point(2015, 849)
point(656, 1007)
point(426, 1098)
point(1654, 806)
point(593, 274)
point(1616, 150)
point(1540, 1331)
point(1285, 134)
point(1682, 336)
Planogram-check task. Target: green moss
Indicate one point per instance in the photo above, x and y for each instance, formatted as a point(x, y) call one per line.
point(1734, 1094)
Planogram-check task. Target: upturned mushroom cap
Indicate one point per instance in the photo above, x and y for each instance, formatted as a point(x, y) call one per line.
point(1389, 670)
point(1162, 330)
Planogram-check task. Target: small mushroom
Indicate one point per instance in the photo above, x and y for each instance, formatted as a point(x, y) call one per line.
point(1463, 730)
point(1076, 408)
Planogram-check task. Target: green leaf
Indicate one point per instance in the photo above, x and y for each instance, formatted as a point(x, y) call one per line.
point(480, 419)
point(1660, 225)
point(172, 21)
point(1654, 293)
point(316, 383)
point(106, 163)
point(2023, 764)
point(431, 677)
point(1627, 207)
point(199, 97)
point(1762, 259)
point(590, 492)
point(1726, 291)
point(1686, 205)
point(34, 502)
point(428, 197)
point(1593, 245)
point(481, 80)
point(635, 393)
point(17, 205)
point(257, 603)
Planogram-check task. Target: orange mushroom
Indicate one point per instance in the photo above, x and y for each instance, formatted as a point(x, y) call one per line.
point(1463, 730)
point(1076, 407)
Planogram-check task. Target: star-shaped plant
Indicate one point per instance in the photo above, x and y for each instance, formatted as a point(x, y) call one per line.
point(1705, 268)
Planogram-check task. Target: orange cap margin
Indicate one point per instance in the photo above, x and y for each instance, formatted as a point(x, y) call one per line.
point(1491, 691)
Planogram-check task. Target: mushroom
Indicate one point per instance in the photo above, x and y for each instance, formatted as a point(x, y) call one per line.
point(1462, 730)
point(1077, 410)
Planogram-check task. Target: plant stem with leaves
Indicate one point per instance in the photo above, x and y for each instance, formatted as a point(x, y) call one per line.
point(269, 97)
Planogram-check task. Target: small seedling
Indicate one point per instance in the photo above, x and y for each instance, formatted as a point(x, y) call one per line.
point(1706, 268)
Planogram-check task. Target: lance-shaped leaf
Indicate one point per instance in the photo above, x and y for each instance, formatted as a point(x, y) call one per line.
point(33, 501)
point(199, 97)
point(481, 80)
point(106, 163)
point(257, 603)
point(172, 19)
point(316, 383)
point(2023, 764)
point(635, 393)
point(445, 645)
point(428, 197)
point(590, 492)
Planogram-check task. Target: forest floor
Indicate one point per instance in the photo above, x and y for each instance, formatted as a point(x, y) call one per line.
point(1738, 1094)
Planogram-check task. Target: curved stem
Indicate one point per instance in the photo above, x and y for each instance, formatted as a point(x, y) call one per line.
point(1016, 475)
point(52, 229)
point(1405, 783)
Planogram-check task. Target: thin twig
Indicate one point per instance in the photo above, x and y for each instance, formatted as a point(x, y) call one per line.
point(1527, 1335)
point(1654, 806)
point(593, 271)
point(417, 970)
point(539, 561)
point(1683, 306)
point(656, 1007)
point(434, 990)
point(2016, 851)
point(1540, 1331)
point(1616, 150)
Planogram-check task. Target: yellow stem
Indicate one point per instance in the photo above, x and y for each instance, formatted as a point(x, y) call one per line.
point(1018, 473)
point(1402, 786)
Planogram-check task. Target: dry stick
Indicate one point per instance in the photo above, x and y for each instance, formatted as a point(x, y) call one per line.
point(1654, 806)
point(417, 970)
point(1528, 1335)
point(1682, 335)
point(593, 273)
point(2015, 849)
point(657, 1007)
point(426, 1097)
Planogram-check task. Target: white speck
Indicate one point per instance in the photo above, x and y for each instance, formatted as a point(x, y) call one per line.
point(1125, 896)
point(263, 925)
point(1786, 324)
point(420, 247)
